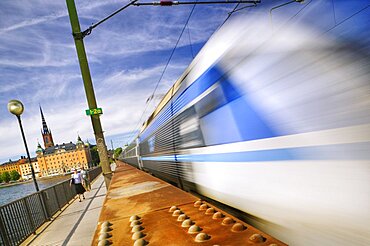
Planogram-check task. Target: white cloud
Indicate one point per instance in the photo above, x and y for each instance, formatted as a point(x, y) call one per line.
point(53, 11)
point(33, 21)
point(131, 77)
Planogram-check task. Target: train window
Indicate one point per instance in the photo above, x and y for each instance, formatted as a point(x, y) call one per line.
point(188, 129)
point(151, 143)
point(189, 132)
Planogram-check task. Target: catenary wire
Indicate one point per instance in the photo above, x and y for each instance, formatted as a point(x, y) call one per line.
point(165, 68)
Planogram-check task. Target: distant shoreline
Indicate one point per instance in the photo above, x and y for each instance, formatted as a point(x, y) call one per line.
point(29, 181)
point(16, 183)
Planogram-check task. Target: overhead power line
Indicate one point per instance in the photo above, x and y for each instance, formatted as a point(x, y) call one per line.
point(165, 68)
point(83, 34)
point(171, 3)
point(88, 31)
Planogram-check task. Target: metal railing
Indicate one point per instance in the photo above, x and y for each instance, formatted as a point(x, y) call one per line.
point(20, 218)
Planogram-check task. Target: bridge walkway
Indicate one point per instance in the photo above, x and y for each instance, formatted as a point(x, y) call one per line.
point(76, 224)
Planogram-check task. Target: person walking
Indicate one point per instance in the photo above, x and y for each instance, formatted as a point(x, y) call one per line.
point(85, 179)
point(76, 180)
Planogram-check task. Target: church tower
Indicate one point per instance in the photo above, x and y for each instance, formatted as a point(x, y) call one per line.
point(46, 133)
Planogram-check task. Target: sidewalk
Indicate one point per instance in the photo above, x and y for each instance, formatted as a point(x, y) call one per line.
point(77, 223)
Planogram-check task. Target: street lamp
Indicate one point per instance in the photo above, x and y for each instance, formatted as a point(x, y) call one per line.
point(16, 107)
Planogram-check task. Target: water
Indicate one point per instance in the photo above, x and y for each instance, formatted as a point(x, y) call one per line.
point(11, 193)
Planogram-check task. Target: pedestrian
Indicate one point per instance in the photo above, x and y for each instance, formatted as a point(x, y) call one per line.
point(76, 180)
point(85, 179)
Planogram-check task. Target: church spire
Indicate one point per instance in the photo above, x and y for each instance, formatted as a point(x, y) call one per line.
point(46, 133)
point(45, 129)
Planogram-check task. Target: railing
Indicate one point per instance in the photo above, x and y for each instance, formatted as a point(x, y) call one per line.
point(20, 218)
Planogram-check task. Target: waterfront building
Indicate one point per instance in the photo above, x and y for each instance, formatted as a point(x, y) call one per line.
point(61, 158)
point(22, 166)
point(9, 166)
point(25, 169)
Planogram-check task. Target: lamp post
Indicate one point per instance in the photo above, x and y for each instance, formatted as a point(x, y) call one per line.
point(16, 107)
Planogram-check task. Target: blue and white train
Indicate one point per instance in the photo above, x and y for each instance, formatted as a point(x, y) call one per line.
point(273, 120)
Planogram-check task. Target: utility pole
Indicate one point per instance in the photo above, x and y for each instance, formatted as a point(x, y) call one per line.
point(89, 90)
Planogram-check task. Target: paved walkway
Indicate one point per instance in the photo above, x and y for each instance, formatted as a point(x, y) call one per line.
point(77, 223)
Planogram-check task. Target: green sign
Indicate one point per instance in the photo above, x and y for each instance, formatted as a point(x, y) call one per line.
point(94, 111)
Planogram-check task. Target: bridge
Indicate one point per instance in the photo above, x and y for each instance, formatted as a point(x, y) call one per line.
point(140, 209)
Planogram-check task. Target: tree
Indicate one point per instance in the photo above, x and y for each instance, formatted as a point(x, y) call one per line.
point(1, 179)
point(117, 152)
point(95, 155)
point(5, 176)
point(14, 175)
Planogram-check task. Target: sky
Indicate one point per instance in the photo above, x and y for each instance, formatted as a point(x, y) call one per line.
point(127, 55)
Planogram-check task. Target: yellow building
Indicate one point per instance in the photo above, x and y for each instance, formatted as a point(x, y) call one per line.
point(22, 166)
point(25, 169)
point(59, 159)
point(9, 166)
point(62, 158)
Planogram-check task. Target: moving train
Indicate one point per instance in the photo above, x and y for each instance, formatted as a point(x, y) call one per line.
point(273, 121)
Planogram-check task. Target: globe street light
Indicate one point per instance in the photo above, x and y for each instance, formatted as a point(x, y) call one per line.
point(16, 107)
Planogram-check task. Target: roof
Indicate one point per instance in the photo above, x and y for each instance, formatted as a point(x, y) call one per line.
point(9, 162)
point(65, 146)
point(22, 160)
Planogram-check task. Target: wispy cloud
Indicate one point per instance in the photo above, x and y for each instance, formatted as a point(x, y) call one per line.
point(58, 10)
point(10, 86)
point(134, 76)
point(33, 21)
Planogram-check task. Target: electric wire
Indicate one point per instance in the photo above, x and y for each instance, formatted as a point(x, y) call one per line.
point(191, 45)
point(335, 19)
point(248, 6)
point(299, 11)
point(165, 68)
point(346, 19)
point(235, 10)
point(228, 16)
point(88, 30)
point(173, 50)
point(186, 24)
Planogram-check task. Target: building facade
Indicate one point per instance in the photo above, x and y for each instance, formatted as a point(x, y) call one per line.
point(25, 168)
point(22, 166)
point(9, 166)
point(62, 158)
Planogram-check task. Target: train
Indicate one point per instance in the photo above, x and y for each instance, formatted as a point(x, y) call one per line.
point(272, 121)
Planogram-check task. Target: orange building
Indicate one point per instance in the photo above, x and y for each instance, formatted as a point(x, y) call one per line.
point(62, 158)
point(9, 166)
point(22, 166)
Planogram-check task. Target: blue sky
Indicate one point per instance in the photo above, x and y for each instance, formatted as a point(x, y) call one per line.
point(127, 54)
